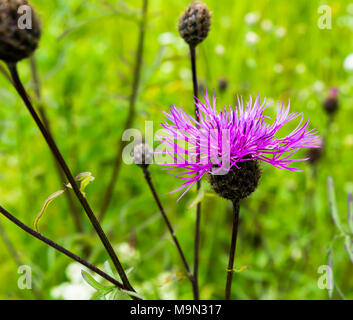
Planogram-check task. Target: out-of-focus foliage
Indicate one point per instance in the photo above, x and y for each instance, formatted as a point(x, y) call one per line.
point(85, 63)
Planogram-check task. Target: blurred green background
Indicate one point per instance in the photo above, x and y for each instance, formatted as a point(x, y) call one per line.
point(85, 64)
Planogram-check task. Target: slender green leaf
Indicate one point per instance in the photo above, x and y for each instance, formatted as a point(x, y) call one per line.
point(108, 269)
point(92, 282)
point(199, 197)
point(45, 206)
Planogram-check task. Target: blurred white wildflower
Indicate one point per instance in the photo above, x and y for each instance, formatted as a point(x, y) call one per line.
point(251, 18)
point(167, 67)
point(166, 38)
point(348, 62)
point(348, 140)
point(296, 253)
point(167, 288)
point(318, 86)
point(278, 68)
point(127, 252)
point(280, 32)
point(304, 94)
point(251, 37)
point(76, 288)
point(185, 74)
point(266, 25)
point(300, 68)
point(349, 187)
point(251, 63)
point(220, 49)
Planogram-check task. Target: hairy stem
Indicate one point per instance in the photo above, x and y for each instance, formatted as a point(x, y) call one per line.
point(57, 154)
point(233, 245)
point(198, 208)
point(132, 111)
point(71, 203)
point(61, 249)
point(169, 225)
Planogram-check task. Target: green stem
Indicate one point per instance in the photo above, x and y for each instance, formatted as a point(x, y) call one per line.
point(233, 245)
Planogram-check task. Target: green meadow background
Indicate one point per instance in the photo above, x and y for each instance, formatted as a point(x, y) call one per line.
point(85, 64)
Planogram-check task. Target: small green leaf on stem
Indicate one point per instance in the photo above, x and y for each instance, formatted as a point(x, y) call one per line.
point(92, 282)
point(85, 178)
point(45, 206)
point(108, 269)
point(199, 197)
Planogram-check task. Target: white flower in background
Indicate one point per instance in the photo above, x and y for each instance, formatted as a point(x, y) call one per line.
point(76, 288)
point(251, 63)
point(266, 25)
point(251, 18)
point(167, 67)
point(348, 187)
point(251, 37)
point(166, 38)
point(296, 253)
point(318, 86)
point(167, 288)
point(127, 252)
point(348, 140)
point(300, 68)
point(220, 49)
point(185, 74)
point(348, 63)
point(280, 32)
point(278, 68)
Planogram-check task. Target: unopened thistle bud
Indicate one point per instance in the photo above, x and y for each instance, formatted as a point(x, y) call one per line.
point(331, 102)
point(222, 84)
point(194, 24)
point(238, 183)
point(18, 39)
point(314, 155)
point(143, 155)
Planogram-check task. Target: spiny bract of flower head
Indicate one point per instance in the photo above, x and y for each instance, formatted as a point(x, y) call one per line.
point(221, 140)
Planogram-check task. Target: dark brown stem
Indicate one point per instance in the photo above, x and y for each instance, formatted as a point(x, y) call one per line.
point(233, 245)
point(75, 213)
point(198, 208)
point(59, 248)
point(57, 154)
point(169, 225)
point(130, 118)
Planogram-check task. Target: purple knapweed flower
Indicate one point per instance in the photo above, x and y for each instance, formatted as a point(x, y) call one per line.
point(221, 141)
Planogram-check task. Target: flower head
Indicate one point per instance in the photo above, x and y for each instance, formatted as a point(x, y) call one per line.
point(221, 141)
point(18, 38)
